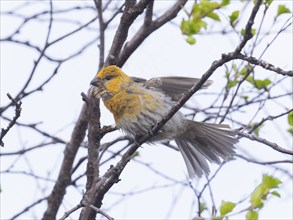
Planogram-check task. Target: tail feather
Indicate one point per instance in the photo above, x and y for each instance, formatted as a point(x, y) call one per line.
point(205, 142)
point(195, 162)
point(221, 140)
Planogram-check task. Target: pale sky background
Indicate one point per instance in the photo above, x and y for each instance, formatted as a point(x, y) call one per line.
point(163, 53)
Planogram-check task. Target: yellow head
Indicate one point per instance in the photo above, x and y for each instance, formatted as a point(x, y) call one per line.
point(109, 81)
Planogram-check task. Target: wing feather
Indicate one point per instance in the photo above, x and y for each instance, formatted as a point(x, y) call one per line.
point(174, 86)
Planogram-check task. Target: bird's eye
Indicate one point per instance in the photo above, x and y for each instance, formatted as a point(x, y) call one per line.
point(108, 77)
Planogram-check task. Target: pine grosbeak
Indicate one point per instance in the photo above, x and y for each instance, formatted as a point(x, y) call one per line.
point(137, 105)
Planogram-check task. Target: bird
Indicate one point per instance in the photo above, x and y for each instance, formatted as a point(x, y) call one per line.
point(138, 104)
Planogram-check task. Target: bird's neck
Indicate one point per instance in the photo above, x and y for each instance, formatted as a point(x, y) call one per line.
point(116, 104)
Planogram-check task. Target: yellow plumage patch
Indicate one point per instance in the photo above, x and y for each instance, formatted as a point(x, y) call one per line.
point(115, 80)
point(129, 103)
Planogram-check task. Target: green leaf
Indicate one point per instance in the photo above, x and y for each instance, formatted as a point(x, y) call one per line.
point(276, 194)
point(191, 40)
point(192, 27)
point(201, 24)
point(270, 182)
point(214, 16)
point(233, 17)
point(258, 83)
point(261, 192)
point(245, 97)
point(202, 207)
point(195, 22)
point(256, 197)
point(250, 79)
point(232, 83)
point(253, 31)
point(205, 8)
point(261, 84)
point(208, 6)
point(243, 71)
point(251, 215)
point(186, 27)
point(268, 2)
point(136, 154)
point(217, 218)
point(226, 207)
point(234, 67)
point(282, 9)
point(246, 69)
point(225, 2)
point(290, 118)
point(257, 129)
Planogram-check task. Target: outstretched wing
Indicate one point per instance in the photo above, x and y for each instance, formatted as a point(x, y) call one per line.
point(174, 86)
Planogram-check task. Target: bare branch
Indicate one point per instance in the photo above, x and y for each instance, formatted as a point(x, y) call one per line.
point(269, 118)
point(28, 208)
point(13, 121)
point(235, 94)
point(92, 171)
point(97, 210)
point(41, 55)
point(148, 28)
point(69, 212)
point(64, 177)
point(102, 25)
point(23, 151)
point(263, 163)
point(264, 64)
point(247, 34)
point(265, 142)
point(34, 127)
point(118, 11)
point(130, 13)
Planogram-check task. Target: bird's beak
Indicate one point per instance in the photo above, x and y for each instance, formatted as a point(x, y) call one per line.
point(98, 87)
point(96, 82)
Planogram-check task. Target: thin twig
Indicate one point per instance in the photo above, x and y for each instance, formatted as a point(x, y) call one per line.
point(264, 64)
point(248, 34)
point(265, 142)
point(13, 121)
point(97, 210)
point(263, 163)
point(102, 26)
point(92, 170)
point(148, 28)
point(269, 118)
point(69, 212)
point(130, 13)
point(28, 208)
